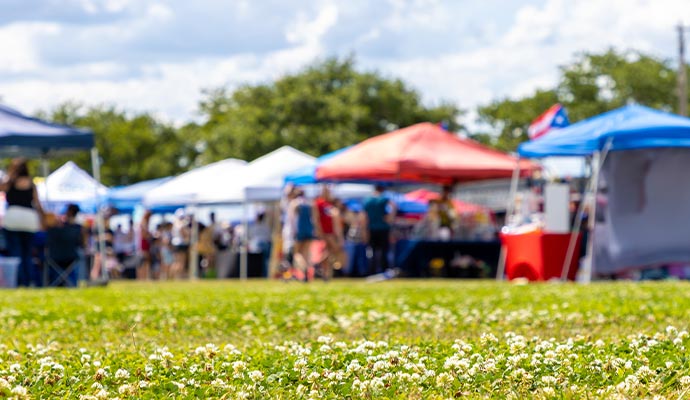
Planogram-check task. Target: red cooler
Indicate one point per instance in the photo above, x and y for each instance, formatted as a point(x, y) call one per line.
point(539, 256)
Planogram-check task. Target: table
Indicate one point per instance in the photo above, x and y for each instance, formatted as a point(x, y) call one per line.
point(539, 256)
point(425, 258)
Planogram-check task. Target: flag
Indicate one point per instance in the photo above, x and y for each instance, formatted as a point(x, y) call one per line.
point(554, 117)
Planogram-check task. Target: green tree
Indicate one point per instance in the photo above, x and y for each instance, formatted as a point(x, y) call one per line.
point(132, 148)
point(590, 85)
point(325, 107)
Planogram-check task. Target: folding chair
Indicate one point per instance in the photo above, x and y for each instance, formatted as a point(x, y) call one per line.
point(63, 256)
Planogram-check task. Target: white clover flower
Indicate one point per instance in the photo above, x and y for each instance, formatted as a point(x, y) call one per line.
point(256, 376)
point(548, 391)
point(143, 384)
point(121, 374)
point(85, 358)
point(671, 330)
point(379, 366)
point(299, 364)
point(313, 377)
point(97, 386)
point(4, 385)
point(239, 366)
point(125, 389)
point(179, 385)
point(325, 339)
point(96, 363)
point(376, 384)
point(685, 381)
point(15, 368)
point(353, 366)
point(301, 390)
point(444, 379)
point(100, 374)
point(644, 372)
point(325, 348)
point(549, 380)
point(20, 391)
point(102, 394)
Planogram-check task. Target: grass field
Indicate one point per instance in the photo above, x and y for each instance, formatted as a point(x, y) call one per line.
point(346, 339)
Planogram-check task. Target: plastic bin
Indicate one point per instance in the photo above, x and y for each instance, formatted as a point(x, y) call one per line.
point(9, 267)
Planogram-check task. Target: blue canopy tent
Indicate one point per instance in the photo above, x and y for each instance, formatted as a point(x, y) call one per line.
point(21, 135)
point(638, 190)
point(126, 198)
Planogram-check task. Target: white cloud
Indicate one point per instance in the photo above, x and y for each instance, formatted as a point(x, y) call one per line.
point(447, 50)
point(18, 52)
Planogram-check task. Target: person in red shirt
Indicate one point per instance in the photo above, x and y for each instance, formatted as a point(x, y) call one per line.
point(328, 227)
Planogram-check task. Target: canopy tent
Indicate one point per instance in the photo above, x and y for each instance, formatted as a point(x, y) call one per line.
point(261, 180)
point(21, 135)
point(419, 153)
point(126, 198)
point(630, 127)
point(70, 184)
point(640, 158)
point(187, 188)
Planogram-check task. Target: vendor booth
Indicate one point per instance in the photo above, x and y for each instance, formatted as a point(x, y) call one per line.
point(21, 135)
point(126, 198)
point(426, 153)
point(638, 195)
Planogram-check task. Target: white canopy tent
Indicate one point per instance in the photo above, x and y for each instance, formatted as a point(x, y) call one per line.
point(261, 180)
point(70, 184)
point(191, 187)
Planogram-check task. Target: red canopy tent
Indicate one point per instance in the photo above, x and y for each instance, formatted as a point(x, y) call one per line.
point(419, 153)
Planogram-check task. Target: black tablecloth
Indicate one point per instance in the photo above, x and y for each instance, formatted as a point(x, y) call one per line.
point(414, 257)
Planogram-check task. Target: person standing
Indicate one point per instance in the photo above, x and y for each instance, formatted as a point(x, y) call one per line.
point(23, 216)
point(379, 211)
point(145, 239)
point(328, 227)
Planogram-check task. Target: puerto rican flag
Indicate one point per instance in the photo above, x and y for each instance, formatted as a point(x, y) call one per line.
point(554, 117)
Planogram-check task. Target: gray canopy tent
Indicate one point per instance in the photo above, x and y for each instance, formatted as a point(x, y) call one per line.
point(29, 137)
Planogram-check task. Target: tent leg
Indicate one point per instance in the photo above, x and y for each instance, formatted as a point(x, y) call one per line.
point(588, 272)
point(245, 242)
point(576, 231)
point(45, 170)
point(193, 262)
point(100, 221)
point(509, 212)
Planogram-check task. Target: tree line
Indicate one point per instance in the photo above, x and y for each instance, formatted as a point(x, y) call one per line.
point(331, 104)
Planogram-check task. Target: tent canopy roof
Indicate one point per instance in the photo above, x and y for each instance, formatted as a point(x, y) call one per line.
point(629, 127)
point(261, 180)
point(125, 198)
point(187, 188)
point(419, 153)
point(23, 135)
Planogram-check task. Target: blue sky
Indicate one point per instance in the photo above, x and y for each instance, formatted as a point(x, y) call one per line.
point(158, 55)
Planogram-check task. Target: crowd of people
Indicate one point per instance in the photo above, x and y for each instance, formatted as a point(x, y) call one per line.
point(305, 239)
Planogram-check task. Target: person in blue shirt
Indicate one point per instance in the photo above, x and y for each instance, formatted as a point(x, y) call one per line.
point(379, 213)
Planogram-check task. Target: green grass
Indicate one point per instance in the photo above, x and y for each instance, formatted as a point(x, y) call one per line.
point(397, 339)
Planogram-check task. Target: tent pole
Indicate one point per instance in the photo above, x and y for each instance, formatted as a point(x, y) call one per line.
point(245, 241)
point(597, 164)
point(509, 211)
point(45, 170)
point(100, 221)
point(576, 232)
point(193, 262)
